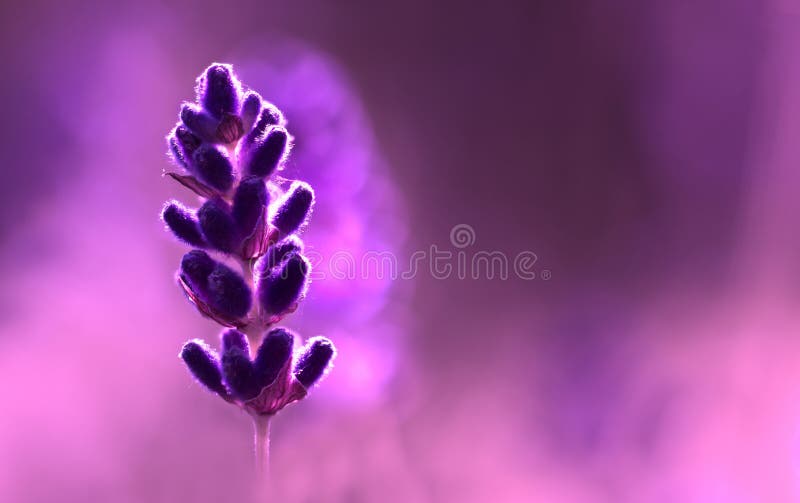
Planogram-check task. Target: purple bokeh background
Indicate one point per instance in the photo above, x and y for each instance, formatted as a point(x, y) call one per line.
point(647, 153)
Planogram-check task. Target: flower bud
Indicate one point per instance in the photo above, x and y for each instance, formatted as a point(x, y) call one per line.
point(175, 151)
point(203, 363)
point(249, 204)
point(213, 167)
point(196, 267)
point(218, 226)
point(199, 122)
point(239, 374)
point(272, 355)
point(269, 116)
point(227, 293)
point(217, 291)
point(267, 153)
point(279, 290)
point(251, 109)
point(187, 141)
point(218, 90)
point(315, 361)
point(294, 208)
point(183, 224)
point(277, 253)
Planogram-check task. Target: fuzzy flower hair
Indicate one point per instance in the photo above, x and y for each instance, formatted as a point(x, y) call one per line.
point(246, 269)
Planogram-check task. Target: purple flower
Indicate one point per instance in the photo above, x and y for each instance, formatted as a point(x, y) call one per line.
point(229, 145)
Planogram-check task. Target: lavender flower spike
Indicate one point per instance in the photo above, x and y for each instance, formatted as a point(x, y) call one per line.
point(203, 363)
point(294, 209)
point(315, 361)
point(230, 143)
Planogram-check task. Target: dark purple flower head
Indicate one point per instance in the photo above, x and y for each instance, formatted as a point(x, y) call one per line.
point(280, 289)
point(218, 226)
point(294, 208)
point(315, 361)
point(230, 143)
point(183, 223)
point(219, 91)
point(203, 363)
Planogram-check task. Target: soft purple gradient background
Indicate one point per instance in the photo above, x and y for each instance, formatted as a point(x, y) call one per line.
point(646, 151)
